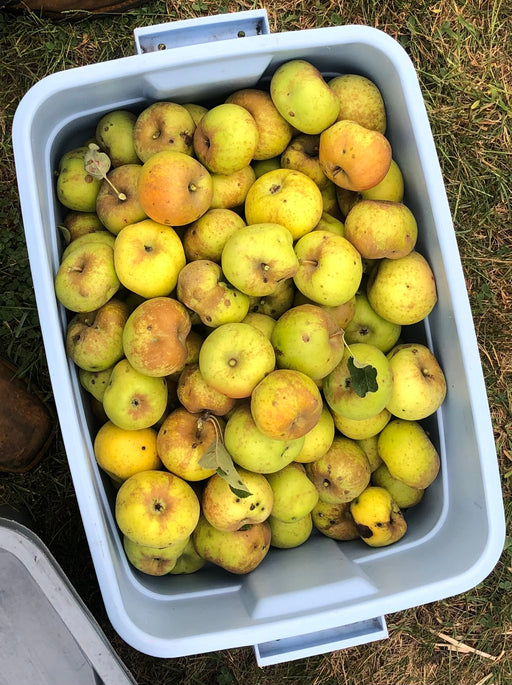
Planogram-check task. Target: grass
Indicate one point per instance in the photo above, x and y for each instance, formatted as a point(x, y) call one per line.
point(459, 52)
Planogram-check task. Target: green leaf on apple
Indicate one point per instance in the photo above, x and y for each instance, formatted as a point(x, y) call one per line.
point(363, 378)
point(217, 457)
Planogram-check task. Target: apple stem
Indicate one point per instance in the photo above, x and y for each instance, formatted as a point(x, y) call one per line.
point(120, 196)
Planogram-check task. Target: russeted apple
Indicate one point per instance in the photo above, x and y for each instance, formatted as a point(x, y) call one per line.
point(302, 155)
point(354, 157)
point(156, 508)
point(76, 224)
point(196, 395)
point(334, 520)
point(308, 339)
point(182, 440)
point(94, 340)
point(257, 257)
point(117, 203)
point(163, 126)
point(226, 510)
point(203, 288)
point(155, 334)
point(274, 132)
point(205, 238)
point(342, 473)
point(419, 384)
point(236, 551)
point(380, 228)
point(286, 404)
point(252, 449)
point(360, 101)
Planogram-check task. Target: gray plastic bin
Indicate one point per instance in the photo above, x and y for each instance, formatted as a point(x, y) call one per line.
point(323, 595)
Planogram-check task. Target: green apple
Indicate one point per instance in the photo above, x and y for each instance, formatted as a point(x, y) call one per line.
point(195, 110)
point(287, 197)
point(76, 224)
point(368, 327)
point(330, 223)
point(287, 535)
point(370, 448)
point(114, 135)
point(302, 96)
point(189, 560)
point(419, 384)
point(354, 157)
point(104, 237)
point(334, 520)
point(378, 518)
point(403, 495)
point(264, 322)
point(341, 394)
point(156, 508)
point(330, 268)
point(203, 288)
point(205, 238)
point(380, 228)
point(294, 493)
point(76, 188)
point(154, 336)
point(360, 100)
point(86, 278)
point(253, 450)
point(236, 551)
point(226, 510)
point(133, 400)
point(148, 257)
point(277, 302)
point(183, 438)
point(302, 155)
point(261, 166)
point(361, 429)
point(235, 357)
point(257, 257)
point(196, 395)
point(117, 202)
point(274, 132)
point(230, 190)
point(342, 473)
point(226, 138)
point(408, 452)
point(318, 440)
point(391, 188)
point(286, 404)
point(94, 340)
point(403, 290)
point(308, 339)
point(95, 382)
point(155, 561)
point(163, 126)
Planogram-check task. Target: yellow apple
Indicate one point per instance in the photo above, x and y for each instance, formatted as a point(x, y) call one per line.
point(290, 534)
point(360, 100)
point(294, 493)
point(122, 452)
point(154, 561)
point(317, 440)
point(378, 518)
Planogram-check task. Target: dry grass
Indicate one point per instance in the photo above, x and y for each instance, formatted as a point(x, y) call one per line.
point(459, 50)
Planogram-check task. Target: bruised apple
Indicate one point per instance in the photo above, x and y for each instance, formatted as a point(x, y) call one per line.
point(154, 336)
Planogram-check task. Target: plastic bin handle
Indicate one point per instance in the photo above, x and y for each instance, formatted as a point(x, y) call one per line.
point(321, 641)
point(177, 34)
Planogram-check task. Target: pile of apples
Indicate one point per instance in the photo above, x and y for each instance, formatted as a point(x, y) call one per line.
point(238, 279)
